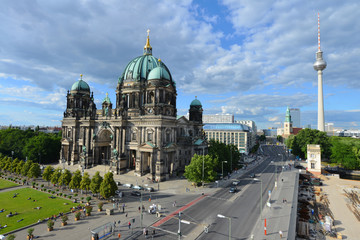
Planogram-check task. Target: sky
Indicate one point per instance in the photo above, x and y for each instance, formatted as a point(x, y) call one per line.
point(249, 58)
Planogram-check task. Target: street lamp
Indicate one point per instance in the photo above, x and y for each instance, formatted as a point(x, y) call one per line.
point(257, 179)
point(222, 216)
point(203, 169)
point(181, 221)
point(222, 168)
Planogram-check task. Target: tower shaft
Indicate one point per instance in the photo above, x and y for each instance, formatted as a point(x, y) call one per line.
point(321, 120)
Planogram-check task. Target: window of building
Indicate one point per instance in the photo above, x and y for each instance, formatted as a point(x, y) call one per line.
point(149, 136)
point(312, 165)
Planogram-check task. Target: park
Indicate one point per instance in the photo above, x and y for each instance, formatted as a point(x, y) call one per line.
point(25, 206)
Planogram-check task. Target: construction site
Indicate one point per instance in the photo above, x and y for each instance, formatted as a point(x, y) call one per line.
point(328, 207)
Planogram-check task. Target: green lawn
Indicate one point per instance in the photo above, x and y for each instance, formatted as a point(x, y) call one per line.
point(25, 208)
point(6, 184)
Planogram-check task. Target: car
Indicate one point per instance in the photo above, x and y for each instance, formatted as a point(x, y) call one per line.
point(137, 187)
point(252, 175)
point(232, 190)
point(235, 183)
point(136, 193)
point(149, 189)
point(127, 185)
point(118, 183)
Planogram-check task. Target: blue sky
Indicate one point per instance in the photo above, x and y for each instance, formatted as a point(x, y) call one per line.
point(249, 58)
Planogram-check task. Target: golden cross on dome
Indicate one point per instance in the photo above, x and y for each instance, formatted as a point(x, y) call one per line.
point(81, 76)
point(148, 32)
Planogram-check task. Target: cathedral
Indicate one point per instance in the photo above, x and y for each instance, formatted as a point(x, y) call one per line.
point(142, 133)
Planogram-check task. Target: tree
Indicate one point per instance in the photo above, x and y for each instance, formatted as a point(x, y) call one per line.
point(43, 147)
point(96, 182)
point(26, 167)
point(75, 180)
point(222, 152)
point(345, 152)
point(65, 178)
point(193, 171)
point(310, 136)
point(56, 175)
point(48, 172)
point(19, 167)
point(279, 138)
point(108, 185)
point(34, 171)
point(85, 182)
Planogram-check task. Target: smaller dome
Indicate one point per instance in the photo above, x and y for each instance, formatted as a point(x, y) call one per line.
point(195, 102)
point(159, 73)
point(80, 86)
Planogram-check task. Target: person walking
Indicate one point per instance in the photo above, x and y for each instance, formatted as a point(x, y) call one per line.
point(281, 234)
point(129, 224)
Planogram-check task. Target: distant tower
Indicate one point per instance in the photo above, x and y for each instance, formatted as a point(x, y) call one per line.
point(319, 66)
point(288, 128)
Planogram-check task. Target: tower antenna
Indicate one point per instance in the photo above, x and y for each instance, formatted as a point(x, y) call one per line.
point(319, 32)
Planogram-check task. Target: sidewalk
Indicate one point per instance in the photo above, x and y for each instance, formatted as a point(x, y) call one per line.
point(281, 216)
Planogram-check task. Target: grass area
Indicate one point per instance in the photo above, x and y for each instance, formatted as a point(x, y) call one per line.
point(6, 184)
point(25, 208)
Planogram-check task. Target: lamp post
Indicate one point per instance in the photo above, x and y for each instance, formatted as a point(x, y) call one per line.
point(257, 179)
point(222, 216)
point(203, 170)
point(12, 155)
point(222, 169)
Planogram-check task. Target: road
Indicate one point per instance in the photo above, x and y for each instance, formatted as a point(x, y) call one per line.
point(242, 207)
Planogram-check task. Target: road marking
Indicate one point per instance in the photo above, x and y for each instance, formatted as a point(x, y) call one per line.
point(171, 215)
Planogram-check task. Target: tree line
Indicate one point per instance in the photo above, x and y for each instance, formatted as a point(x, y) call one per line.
point(106, 186)
point(342, 151)
point(37, 146)
point(220, 158)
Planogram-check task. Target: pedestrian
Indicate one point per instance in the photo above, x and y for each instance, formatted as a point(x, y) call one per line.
point(139, 208)
point(126, 214)
point(129, 224)
point(144, 231)
point(123, 207)
point(153, 232)
point(281, 234)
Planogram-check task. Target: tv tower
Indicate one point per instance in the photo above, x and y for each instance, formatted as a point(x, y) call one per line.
point(319, 66)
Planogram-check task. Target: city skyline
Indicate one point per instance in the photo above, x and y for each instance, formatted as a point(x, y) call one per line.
point(238, 57)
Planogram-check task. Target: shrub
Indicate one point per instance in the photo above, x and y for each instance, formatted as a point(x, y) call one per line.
point(100, 205)
point(42, 185)
point(49, 191)
point(88, 209)
point(30, 231)
point(75, 195)
point(50, 223)
point(77, 215)
point(53, 192)
point(57, 190)
point(88, 198)
point(69, 197)
point(65, 195)
point(60, 194)
point(82, 198)
point(64, 218)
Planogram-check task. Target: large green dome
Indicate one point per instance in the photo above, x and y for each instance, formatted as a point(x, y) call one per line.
point(140, 67)
point(80, 87)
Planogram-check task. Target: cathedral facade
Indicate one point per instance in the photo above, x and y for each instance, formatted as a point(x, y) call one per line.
point(142, 132)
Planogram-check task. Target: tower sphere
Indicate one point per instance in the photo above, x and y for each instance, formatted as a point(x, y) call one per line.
point(319, 64)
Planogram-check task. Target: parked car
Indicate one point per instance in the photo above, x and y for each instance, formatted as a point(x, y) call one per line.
point(150, 189)
point(232, 190)
point(235, 183)
point(136, 193)
point(127, 185)
point(137, 187)
point(252, 175)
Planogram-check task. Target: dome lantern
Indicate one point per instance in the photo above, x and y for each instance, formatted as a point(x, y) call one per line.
point(147, 47)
